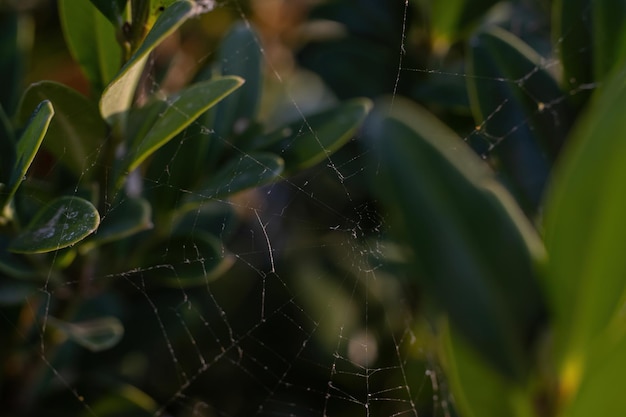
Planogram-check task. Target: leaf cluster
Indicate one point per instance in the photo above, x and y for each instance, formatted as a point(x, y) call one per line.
point(128, 184)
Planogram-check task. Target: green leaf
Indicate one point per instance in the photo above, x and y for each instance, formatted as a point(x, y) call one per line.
point(62, 223)
point(96, 335)
point(91, 40)
point(117, 96)
point(473, 247)
point(141, 119)
point(239, 54)
point(600, 390)
point(184, 262)
point(130, 216)
point(478, 390)
point(450, 19)
point(111, 9)
point(7, 148)
point(571, 32)
point(212, 217)
point(247, 171)
point(77, 130)
point(307, 142)
point(518, 104)
point(586, 231)
point(609, 29)
point(27, 147)
point(16, 38)
point(182, 109)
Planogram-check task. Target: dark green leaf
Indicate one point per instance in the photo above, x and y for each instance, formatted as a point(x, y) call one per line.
point(130, 216)
point(16, 35)
point(239, 54)
point(478, 390)
point(7, 148)
point(141, 119)
point(181, 111)
point(571, 32)
point(247, 171)
point(212, 217)
point(62, 223)
point(519, 108)
point(609, 29)
point(27, 147)
point(96, 335)
point(77, 130)
point(91, 40)
point(473, 247)
point(117, 96)
point(111, 9)
point(182, 262)
point(315, 138)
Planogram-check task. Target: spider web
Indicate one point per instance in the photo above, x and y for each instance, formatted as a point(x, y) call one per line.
point(313, 319)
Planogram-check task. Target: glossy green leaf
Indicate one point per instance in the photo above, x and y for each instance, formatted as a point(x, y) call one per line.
point(91, 40)
point(62, 223)
point(183, 262)
point(117, 96)
point(130, 216)
point(16, 39)
point(571, 34)
point(111, 9)
point(609, 29)
point(27, 147)
point(77, 131)
point(478, 390)
point(182, 109)
point(518, 106)
point(310, 141)
point(96, 334)
point(585, 228)
point(450, 19)
point(239, 54)
point(473, 247)
point(246, 171)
